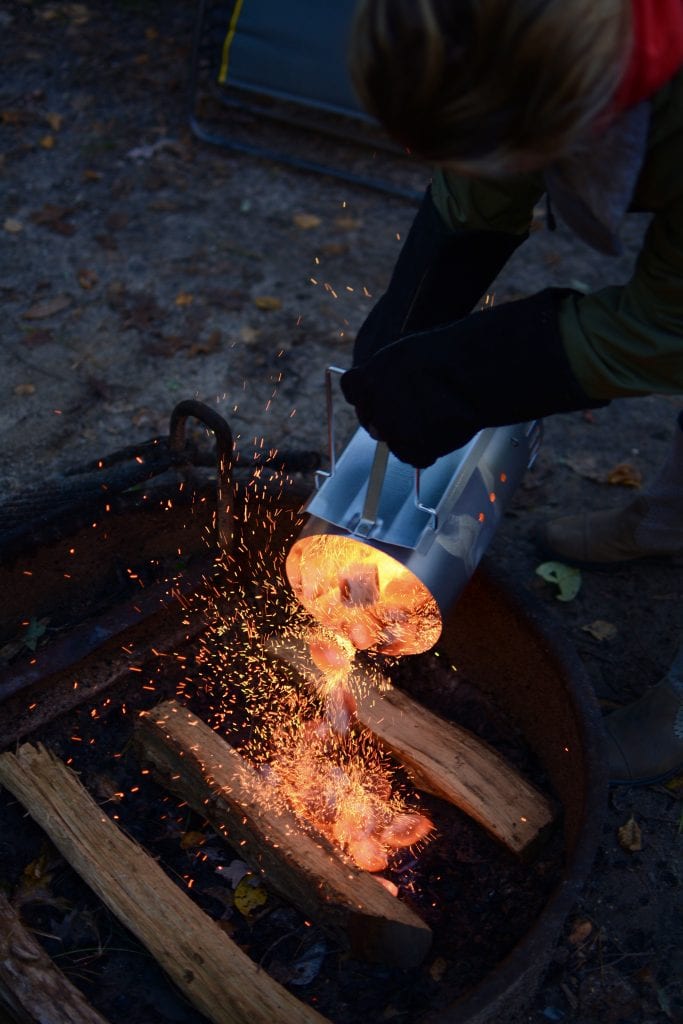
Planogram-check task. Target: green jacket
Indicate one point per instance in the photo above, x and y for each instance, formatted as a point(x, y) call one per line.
point(624, 339)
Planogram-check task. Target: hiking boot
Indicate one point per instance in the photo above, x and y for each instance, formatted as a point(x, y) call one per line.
point(650, 526)
point(645, 739)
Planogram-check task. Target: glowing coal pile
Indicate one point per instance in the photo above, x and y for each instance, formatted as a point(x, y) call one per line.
point(361, 593)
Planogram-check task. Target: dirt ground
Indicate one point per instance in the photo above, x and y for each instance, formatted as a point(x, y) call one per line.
point(141, 267)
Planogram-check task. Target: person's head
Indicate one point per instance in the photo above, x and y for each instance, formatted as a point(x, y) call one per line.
point(489, 86)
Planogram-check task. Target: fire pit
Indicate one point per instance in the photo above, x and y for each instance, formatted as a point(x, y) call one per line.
point(126, 602)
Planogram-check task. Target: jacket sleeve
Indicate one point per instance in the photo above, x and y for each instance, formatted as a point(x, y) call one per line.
point(628, 340)
point(480, 204)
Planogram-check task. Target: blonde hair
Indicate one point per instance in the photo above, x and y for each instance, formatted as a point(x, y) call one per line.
point(484, 84)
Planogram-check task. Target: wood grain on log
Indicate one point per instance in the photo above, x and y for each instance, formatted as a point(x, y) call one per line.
point(213, 778)
point(212, 971)
point(443, 758)
point(32, 988)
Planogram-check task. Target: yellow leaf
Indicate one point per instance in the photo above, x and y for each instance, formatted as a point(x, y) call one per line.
point(47, 141)
point(190, 840)
point(306, 221)
point(625, 475)
point(184, 299)
point(13, 226)
point(630, 836)
point(601, 630)
point(267, 302)
point(249, 896)
point(55, 121)
point(22, 390)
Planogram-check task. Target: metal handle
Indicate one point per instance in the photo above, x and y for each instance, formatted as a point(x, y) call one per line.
point(368, 517)
point(331, 440)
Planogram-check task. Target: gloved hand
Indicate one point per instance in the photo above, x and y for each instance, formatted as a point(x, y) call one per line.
point(438, 277)
point(429, 393)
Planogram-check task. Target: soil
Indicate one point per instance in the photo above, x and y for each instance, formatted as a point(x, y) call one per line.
point(142, 267)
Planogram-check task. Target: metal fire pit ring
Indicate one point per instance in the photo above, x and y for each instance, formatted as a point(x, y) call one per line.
point(503, 641)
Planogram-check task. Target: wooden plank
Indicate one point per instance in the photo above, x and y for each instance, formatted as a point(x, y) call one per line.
point(198, 765)
point(443, 758)
point(210, 969)
point(32, 988)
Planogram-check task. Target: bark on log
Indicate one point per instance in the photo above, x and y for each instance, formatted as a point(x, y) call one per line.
point(444, 759)
point(215, 975)
point(198, 765)
point(32, 989)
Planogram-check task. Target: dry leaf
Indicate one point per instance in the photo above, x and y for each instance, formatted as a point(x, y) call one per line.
point(566, 577)
point(581, 929)
point(87, 279)
point(190, 840)
point(184, 299)
point(55, 121)
point(438, 968)
point(601, 630)
point(47, 307)
point(22, 390)
point(267, 302)
point(90, 175)
point(306, 221)
point(630, 836)
point(249, 895)
point(334, 248)
point(13, 226)
point(625, 475)
point(348, 223)
point(249, 334)
point(47, 141)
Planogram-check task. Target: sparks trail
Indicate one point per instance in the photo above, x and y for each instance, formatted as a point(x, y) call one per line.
point(303, 734)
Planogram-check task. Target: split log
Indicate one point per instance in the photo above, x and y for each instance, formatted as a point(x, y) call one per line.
point(199, 766)
point(32, 989)
point(444, 759)
point(208, 967)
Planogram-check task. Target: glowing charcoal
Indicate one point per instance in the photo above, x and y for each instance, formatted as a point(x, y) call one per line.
point(359, 585)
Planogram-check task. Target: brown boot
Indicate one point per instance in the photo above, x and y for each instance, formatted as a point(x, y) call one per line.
point(650, 526)
point(645, 739)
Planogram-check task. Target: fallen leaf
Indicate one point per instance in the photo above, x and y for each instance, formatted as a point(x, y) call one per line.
point(22, 390)
point(47, 141)
point(306, 221)
point(55, 121)
point(625, 475)
point(206, 348)
point(47, 307)
point(267, 302)
point(566, 577)
point(586, 466)
point(13, 118)
point(304, 970)
point(581, 929)
point(90, 175)
point(601, 630)
point(13, 225)
point(87, 278)
point(233, 872)
point(184, 299)
point(348, 223)
point(438, 968)
point(53, 218)
point(249, 334)
point(334, 248)
point(191, 840)
point(249, 895)
point(630, 836)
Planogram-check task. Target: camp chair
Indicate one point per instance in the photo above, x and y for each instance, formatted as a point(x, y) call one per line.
point(285, 61)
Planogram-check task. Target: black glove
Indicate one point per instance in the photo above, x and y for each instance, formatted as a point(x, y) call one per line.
point(429, 393)
point(438, 277)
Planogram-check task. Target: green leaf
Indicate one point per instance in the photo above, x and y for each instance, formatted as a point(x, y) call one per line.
point(566, 577)
point(36, 628)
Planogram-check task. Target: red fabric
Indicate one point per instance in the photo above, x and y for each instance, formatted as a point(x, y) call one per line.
point(657, 52)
